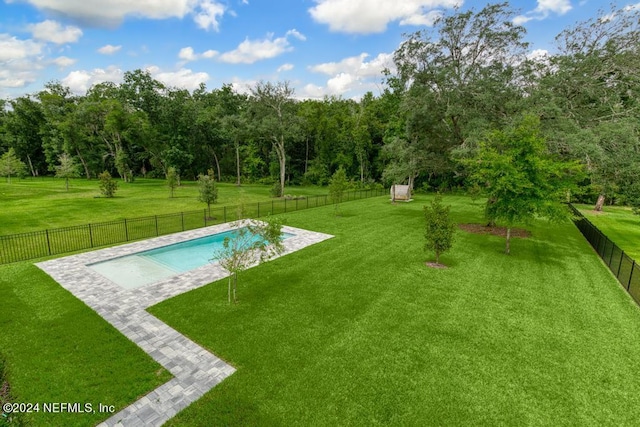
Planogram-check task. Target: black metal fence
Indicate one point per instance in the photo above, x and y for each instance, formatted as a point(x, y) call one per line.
point(621, 265)
point(37, 244)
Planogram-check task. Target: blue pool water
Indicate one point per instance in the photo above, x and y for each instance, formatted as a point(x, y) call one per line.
point(144, 268)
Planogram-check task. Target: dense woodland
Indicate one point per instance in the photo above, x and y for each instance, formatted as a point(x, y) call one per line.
point(470, 74)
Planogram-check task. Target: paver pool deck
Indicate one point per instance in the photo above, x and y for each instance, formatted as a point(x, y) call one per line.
point(195, 369)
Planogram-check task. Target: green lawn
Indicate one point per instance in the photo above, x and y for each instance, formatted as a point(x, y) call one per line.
point(59, 350)
point(357, 331)
point(38, 203)
point(620, 224)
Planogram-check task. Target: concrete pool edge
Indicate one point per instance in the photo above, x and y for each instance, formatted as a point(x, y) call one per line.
point(195, 369)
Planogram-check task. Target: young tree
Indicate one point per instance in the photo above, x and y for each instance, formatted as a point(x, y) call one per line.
point(10, 165)
point(208, 190)
point(440, 228)
point(108, 185)
point(252, 243)
point(521, 179)
point(338, 184)
point(66, 169)
point(172, 180)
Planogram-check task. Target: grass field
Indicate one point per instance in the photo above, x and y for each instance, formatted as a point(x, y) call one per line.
point(620, 224)
point(357, 331)
point(38, 203)
point(59, 350)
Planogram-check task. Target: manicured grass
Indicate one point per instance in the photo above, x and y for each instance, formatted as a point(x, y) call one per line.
point(618, 223)
point(357, 331)
point(59, 350)
point(38, 203)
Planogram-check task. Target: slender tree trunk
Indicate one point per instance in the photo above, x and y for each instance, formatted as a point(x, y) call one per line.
point(66, 183)
point(84, 164)
point(437, 257)
point(217, 165)
point(237, 164)
point(306, 155)
point(33, 173)
point(278, 145)
point(229, 290)
point(235, 287)
point(508, 246)
point(599, 203)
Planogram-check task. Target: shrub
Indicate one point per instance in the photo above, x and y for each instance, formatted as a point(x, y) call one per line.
point(108, 185)
point(276, 190)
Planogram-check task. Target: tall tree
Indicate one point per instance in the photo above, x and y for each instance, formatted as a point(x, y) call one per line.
point(278, 118)
point(459, 77)
point(590, 92)
point(521, 179)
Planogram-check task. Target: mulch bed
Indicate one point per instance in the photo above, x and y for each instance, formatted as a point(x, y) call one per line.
point(435, 265)
point(496, 231)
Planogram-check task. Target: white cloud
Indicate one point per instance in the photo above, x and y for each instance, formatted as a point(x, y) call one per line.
point(295, 33)
point(543, 10)
point(312, 91)
point(209, 15)
point(206, 13)
point(12, 48)
point(63, 61)
point(356, 65)
point(80, 81)
point(538, 54)
point(183, 78)
point(53, 32)
point(373, 16)
point(187, 54)
point(250, 51)
point(350, 75)
point(109, 49)
point(285, 67)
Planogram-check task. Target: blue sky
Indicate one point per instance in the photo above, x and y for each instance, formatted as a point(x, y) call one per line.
point(323, 47)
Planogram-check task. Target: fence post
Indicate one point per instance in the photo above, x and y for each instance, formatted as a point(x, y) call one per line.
point(633, 267)
point(285, 205)
point(258, 210)
point(620, 265)
point(613, 246)
point(90, 236)
point(126, 229)
point(182, 219)
point(296, 203)
point(205, 217)
point(48, 241)
point(224, 213)
point(157, 233)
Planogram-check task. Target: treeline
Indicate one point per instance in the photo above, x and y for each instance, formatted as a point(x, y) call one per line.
point(453, 84)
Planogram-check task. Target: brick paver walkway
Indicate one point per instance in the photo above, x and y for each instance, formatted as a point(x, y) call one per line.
point(195, 369)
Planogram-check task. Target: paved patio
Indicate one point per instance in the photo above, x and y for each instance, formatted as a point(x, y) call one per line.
point(195, 369)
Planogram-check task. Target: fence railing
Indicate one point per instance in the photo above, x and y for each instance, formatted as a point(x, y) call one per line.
point(621, 265)
point(37, 244)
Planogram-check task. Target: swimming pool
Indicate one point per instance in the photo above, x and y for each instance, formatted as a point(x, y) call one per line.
point(150, 266)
